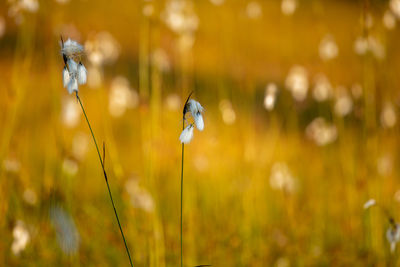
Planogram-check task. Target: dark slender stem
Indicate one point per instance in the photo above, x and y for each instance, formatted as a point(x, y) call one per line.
point(105, 177)
point(183, 150)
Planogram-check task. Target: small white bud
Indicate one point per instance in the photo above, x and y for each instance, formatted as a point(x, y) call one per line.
point(82, 74)
point(66, 76)
point(187, 134)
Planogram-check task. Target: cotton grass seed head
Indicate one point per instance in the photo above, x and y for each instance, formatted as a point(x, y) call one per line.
point(187, 134)
point(73, 73)
point(393, 236)
point(71, 48)
point(195, 109)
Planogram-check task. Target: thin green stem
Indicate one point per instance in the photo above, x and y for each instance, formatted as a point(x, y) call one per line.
point(183, 150)
point(105, 177)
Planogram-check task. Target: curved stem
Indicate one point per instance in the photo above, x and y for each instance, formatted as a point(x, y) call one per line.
point(183, 150)
point(105, 177)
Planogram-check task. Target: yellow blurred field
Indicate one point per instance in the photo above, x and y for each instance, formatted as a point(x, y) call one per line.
point(301, 101)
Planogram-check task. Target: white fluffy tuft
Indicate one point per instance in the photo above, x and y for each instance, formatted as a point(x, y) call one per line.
point(82, 74)
point(198, 120)
point(66, 77)
point(187, 134)
point(73, 85)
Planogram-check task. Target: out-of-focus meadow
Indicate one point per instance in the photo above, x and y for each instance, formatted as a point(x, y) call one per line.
point(301, 101)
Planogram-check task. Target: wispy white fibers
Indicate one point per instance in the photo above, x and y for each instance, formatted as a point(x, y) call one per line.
point(82, 74)
point(73, 73)
point(195, 110)
point(187, 134)
point(393, 236)
point(66, 76)
point(71, 48)
point(371, 202)
point(72, 85)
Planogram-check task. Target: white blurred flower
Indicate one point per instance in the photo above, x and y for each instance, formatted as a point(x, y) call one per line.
point(30, 196)
point(173, 102)
point(80, 145)
point(217, 2)
point(389, 20)
point(393, 236)
point(395, 7)
point(70, 112)
point(180, 17)
point(122, 97)
point(95, 76)
point(328, 48)
point(297, 82)
point(18, 6)
point(281, 178)
point(371, 202)
point(62, 1)
point(270, 96)
point(376, 47)
point(388, 116)
point(288, 7)
point(140, 197)
point(371, 44)
point(70, 166)
point(201, 163)
point(344, 103)
point(11, 165)
point(356, 91)
point(102, 48)
point(322, 88)
point(253, 10)
point(29, 5)
point(321, 132)
point(227, 111)
point(361, 45)
point(148, 9)
point(384, 165)
point(187, 134)
point(369, 20)
point(160, 60)
point(21, 237)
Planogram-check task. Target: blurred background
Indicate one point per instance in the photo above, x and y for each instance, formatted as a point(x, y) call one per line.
point(301, 101)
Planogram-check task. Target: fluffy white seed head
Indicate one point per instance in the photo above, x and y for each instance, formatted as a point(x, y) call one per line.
point(82, 74)
point(198, 120)
point(369, 203)
point(66, 76)
point(194, 107)
point(71, 48)
point(73, 85)
point(187, 134)
point(393, 236)
point(72, 67)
